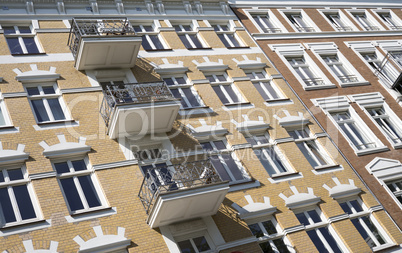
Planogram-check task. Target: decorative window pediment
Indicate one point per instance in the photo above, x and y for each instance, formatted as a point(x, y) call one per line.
point(208, 65)
point(292, 120)
point(65, 148)
point(36, 75)
point(342, 190)
point(384, 168)
point(9, 156)
point(254, 209)
point(206, 132)
point(300, 199)
point(171, 68)
point(250, 64)
point(251, 126)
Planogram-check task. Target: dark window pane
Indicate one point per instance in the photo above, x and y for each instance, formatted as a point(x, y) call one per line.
point(260, 90)
point(48, 90)
point(24, 29)
point(207, 146)
point(251, 140)
point(71, 193)
point(233, 167)
point(303, 219)
point(195, 40)
point(185, 41)
point(266, 247)
point(1, 176)
point(221, 78)
point(219, 168)
point(156, 41)
point(8, 29)
point(201, 244)
point(168, 81)
point(62, 167)
point(180, 80)
point(145, 44)
point(33, 91)
point(330, 240)
point(220, 94)
point(346, 208)
point(281, 246)
point(31, 46)
point(56, 109)
point(363, 233)
point(186, 247)
point(177, 94)
point(256, 230)
point(191, 98)
point(269, 226)
point(314, 216)
point(5, 205)
point(317, 241)
point(14, 45)
point(229, 89)
point(24, 202)
point(374, 230)
point(210, 78)
point(233, 40)
point(356, 206)
point(220, 145)
point(224, 41)
point(39, 110)
point(89, 191)
point(79, 165)
point(15, 174)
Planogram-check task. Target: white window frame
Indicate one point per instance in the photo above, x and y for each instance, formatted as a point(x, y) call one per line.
point(229, 151)
point(189, 84)
point(231, 30)
point(259, 81)
point(324, 223)
point(194, 31)
point(89, 171)
point(312, 140)
point(373, 24)
point(264, 148)
point(4, 112)
point(395, 24)
point(267, 238)
point(279, 28)
point(395, 194)
point(20, 37)
point(297, 26)
point(347, 26)
point(228, 82)
point(193, 235)
point(25, 181)
point(368, 214)
point(145, 34)
point(322, 50)
point(44, 98)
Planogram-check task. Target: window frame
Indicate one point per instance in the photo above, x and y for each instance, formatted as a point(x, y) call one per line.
point(371, 25)
point(75, 174)
point(395, 24)
point(191, 236)
point(194, 31)
point(296, 25)
point(44, 97)
point(349, 26)
point(146, 35)
point(397, 195)
point(4, 113)
point(255, 80)
point(221, 84)
point(270, 15)
point(34, 201)
point(230, 31)
point(21, 37)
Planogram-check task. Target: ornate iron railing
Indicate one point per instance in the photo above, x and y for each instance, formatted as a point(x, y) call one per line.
point(91, 27)
point(174, 178)
point(132, 93)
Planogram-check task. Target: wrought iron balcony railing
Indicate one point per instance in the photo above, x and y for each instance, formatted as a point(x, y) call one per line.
point(132, 93)
point(91, 27)
point(390, 70)
point(175, 178)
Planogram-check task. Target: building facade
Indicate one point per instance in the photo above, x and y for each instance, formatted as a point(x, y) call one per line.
point(344, 62)
point(161, 126)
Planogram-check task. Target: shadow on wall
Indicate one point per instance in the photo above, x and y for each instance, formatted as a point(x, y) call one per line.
point(144, 71)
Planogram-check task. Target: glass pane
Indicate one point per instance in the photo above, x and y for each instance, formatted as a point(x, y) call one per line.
point(374, 230)
point(269, 226)
point(177, 94)
point(33, 91)
point(89, 191)
point(363, 233)
point(210, 78)
point(260, 90)
point(15, 174)
point(302, 218)
point(266, 247)
point(2, 120)
point(261, 139)
point(8, 29)
point(31, 45)
point(185, 41)
point(180, 80)
point(330, 240)
point(220, 94)
point(148, 28)
point(229, 89)
point(71, 193)
point(281, 246)
point(356, 205)
point(24, 202)
point(220, 145)
point(256, 230)
point(24, 29)
point(195, 40)
point(270, 89)
point(186, 247)
point(314, 216)
point(224, 41)
point(168, 81)
point(14, 45)
point(156, 41)
point(145, 44)
point(79, 165)
point(233, 40)
point(5, 205)
point(56, 109)
point(221, 78)
point(317, 241)
point(346, 208)
point(251, 140)
point(265, 162)
point(1, 176)
point(207, 146)
point(190, 97)
point(48, 90)
point(219, 168)
point(201, 244)
point(40, 110)
point(62, 167)
point(307, 154)
point(316, 152)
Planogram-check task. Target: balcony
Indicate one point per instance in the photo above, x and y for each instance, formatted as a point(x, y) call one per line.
point(138, 108)
point(390, 71)
point(103, 43)
point(181, 192)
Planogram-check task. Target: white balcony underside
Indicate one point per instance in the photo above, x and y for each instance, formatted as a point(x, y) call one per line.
point(143, 118)
point(107, 52)
point(187, 204)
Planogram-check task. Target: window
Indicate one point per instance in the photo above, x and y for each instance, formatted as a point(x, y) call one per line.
point(266, 23)
point(313, 152)
point(300, 22)
point(271, 236)
point(320, 233)
point(47, 103)
point(366, 21)
point(151, 39)
point(226, 90)
point(390, 126)
point(339, 22)
point(4, 117)
point(390, 19)
point(265, 86)
point(21, 40)
point(79, 185)
point(225, 161)
point(397, 56)
point(387, 71)
point(159, 174)
point(367, 226)
point(339, 69)
point(228, 37)
point(396, 188)
point(353, 130)
point(189, 37)
point(268, 154)
point(194, 245)
point(17, 199)
point(305, 72)
point(181, 89)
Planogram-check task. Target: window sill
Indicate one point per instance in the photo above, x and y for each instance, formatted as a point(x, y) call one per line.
point(371, 150)
point(27, 54)
point(326, 169)
point(320, 87)
point(200, 48)
point(24, 227)
point(54, 122)
point(8, 129)
point(92, 214)
point(275, 102)
point(237, 106)
point(238, 47)
point(196, 111)
point(242, 185)
point(22, 223)
point(276, 178)
point(352, 84)
point(385, 246)
point(158, 50)
point(395, 146)
point(53, 125)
